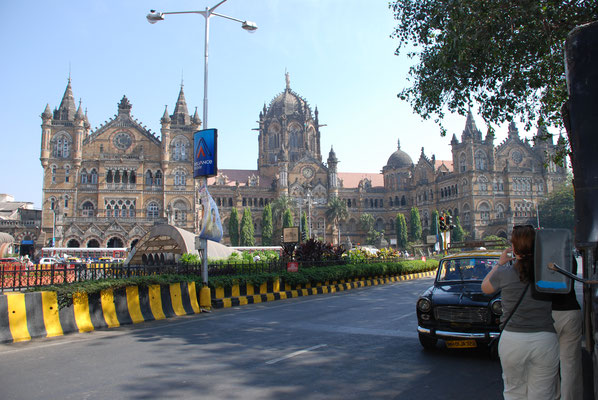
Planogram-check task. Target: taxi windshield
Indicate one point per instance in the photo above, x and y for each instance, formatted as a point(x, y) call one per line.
point(465, 269)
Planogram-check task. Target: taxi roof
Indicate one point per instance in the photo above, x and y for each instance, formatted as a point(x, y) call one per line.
point(475, 253)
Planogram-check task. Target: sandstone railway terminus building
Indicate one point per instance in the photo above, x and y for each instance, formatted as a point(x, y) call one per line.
point(109, 186)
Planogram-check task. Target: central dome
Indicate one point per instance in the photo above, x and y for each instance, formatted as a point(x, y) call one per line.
point(399, 159)
point(288, 103)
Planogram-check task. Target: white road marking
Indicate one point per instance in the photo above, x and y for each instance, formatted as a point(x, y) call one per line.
point(402, 316)
point(295, 354)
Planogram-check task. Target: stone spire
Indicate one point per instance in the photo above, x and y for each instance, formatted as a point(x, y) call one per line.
point(398, 144)
point(287, 79)
point(196, 119)
point(79, 115)
point(165, 117)
point(124, 107)
point(47, 114)
point(181, 114)
point(513, 131)
point(470, 129)
point(67, 109)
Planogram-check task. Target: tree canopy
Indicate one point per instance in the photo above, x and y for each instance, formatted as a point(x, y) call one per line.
point(415, 225)
point(401, 231)
point(233, 227)
point(504, 56)
point(247, 237)
point(267, 226)
point(558, 209)
point(336, 212)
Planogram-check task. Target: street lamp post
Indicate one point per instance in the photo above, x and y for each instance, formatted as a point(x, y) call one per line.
point(155, 16)
point(535, 203)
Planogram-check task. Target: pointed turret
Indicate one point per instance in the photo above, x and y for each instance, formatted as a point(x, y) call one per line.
point(67, 109)
point(165, 117)
point(332, 156)
point(79, 114)
point(454, 139)
point(181, 114)
point(196, 119)
point(471, 131)
point(513, 131)
point(47, 114)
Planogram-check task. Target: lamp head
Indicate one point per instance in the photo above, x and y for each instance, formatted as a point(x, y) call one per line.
point(249, 26)
point(154, 16)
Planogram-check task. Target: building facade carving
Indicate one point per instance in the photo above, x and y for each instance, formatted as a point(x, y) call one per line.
point(109, 186)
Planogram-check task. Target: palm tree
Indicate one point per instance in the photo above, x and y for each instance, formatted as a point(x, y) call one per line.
point(278, 208)
point(336, 213)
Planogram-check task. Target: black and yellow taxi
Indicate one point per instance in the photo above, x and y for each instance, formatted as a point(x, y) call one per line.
point(455, 309)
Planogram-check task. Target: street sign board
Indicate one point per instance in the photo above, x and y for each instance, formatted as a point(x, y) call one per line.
point(430, 239)
point(292, 266)
point(205, 153)
point(290, 235)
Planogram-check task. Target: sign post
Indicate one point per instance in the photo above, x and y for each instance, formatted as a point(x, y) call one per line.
point(205, 164)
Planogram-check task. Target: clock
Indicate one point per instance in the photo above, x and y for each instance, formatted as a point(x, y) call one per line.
point(122, 140)
point(516, 157)
point(307, 172)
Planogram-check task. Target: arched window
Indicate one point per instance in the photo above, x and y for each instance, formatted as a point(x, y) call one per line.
point(94, 176)
point(153, 210)
point(462, 162)
point(61, 146)
point(84, 175)
point(132, 177)
point(72, 243)
point(180, 211)
point(180, 178)
point(296, 138)
point(93, 244)
point(109, 177)
point(149, 178)
point(53, 170)
point(158, 178)
point(67, 173)
point(87, 209)
point(483, 184)
point(481, 160)
point(52, 203)
point(180, 148)
point(500, 211)
point(484, 210)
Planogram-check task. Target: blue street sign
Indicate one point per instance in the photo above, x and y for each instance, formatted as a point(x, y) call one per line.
point(205, 153)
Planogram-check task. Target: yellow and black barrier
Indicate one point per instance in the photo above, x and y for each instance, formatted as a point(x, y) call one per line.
point(28, 315)
point(240, 295)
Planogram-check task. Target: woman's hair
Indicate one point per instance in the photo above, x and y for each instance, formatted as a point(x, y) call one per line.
point(523, 239)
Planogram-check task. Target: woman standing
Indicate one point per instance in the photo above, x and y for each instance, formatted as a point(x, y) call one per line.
point(528, 348)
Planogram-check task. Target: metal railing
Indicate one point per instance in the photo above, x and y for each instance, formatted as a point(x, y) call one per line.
point(19, 277)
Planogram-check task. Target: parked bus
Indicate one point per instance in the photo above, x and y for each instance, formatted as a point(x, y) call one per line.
point(87, 253)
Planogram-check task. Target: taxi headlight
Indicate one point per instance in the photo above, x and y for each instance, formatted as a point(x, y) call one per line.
point(496, 307)
point(424, 304)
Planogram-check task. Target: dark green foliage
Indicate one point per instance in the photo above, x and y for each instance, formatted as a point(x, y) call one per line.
point(367, 223)
point(305, 233)
point(457, 234)
point(401, 230)
point(267, 227)
point(233, 227)
point(434, 223)
point(558, 210)
point(415, 226)
point(287, 219)
point(505, 57)
point(247, 231)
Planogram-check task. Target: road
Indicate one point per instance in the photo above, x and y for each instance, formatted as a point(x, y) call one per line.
point(349, 345)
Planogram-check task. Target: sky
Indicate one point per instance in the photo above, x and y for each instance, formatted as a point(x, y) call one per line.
point(338, 53)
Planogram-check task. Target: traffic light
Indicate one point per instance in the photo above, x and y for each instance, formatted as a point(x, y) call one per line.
point(449, 223)
point(442, 224)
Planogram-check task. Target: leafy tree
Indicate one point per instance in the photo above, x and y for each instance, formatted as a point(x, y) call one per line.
point(304, 225)
point(279, 206)
point(505, 56)
point(401, 229)
point(247, 231)
point(233, 227)
point(368, 223)
point(415, 226)
point(558, 209)
point(457, 234)
point(267, 226)
point(287, 219)
point(336, 213)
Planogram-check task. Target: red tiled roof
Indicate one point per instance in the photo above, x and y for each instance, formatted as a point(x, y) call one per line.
point(447, 163)
point(351, 179)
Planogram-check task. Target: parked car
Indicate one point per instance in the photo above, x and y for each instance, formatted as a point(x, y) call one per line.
point(48, 261)
point(455, 309)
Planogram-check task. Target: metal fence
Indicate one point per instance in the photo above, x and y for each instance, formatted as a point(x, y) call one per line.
point(17, 276)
